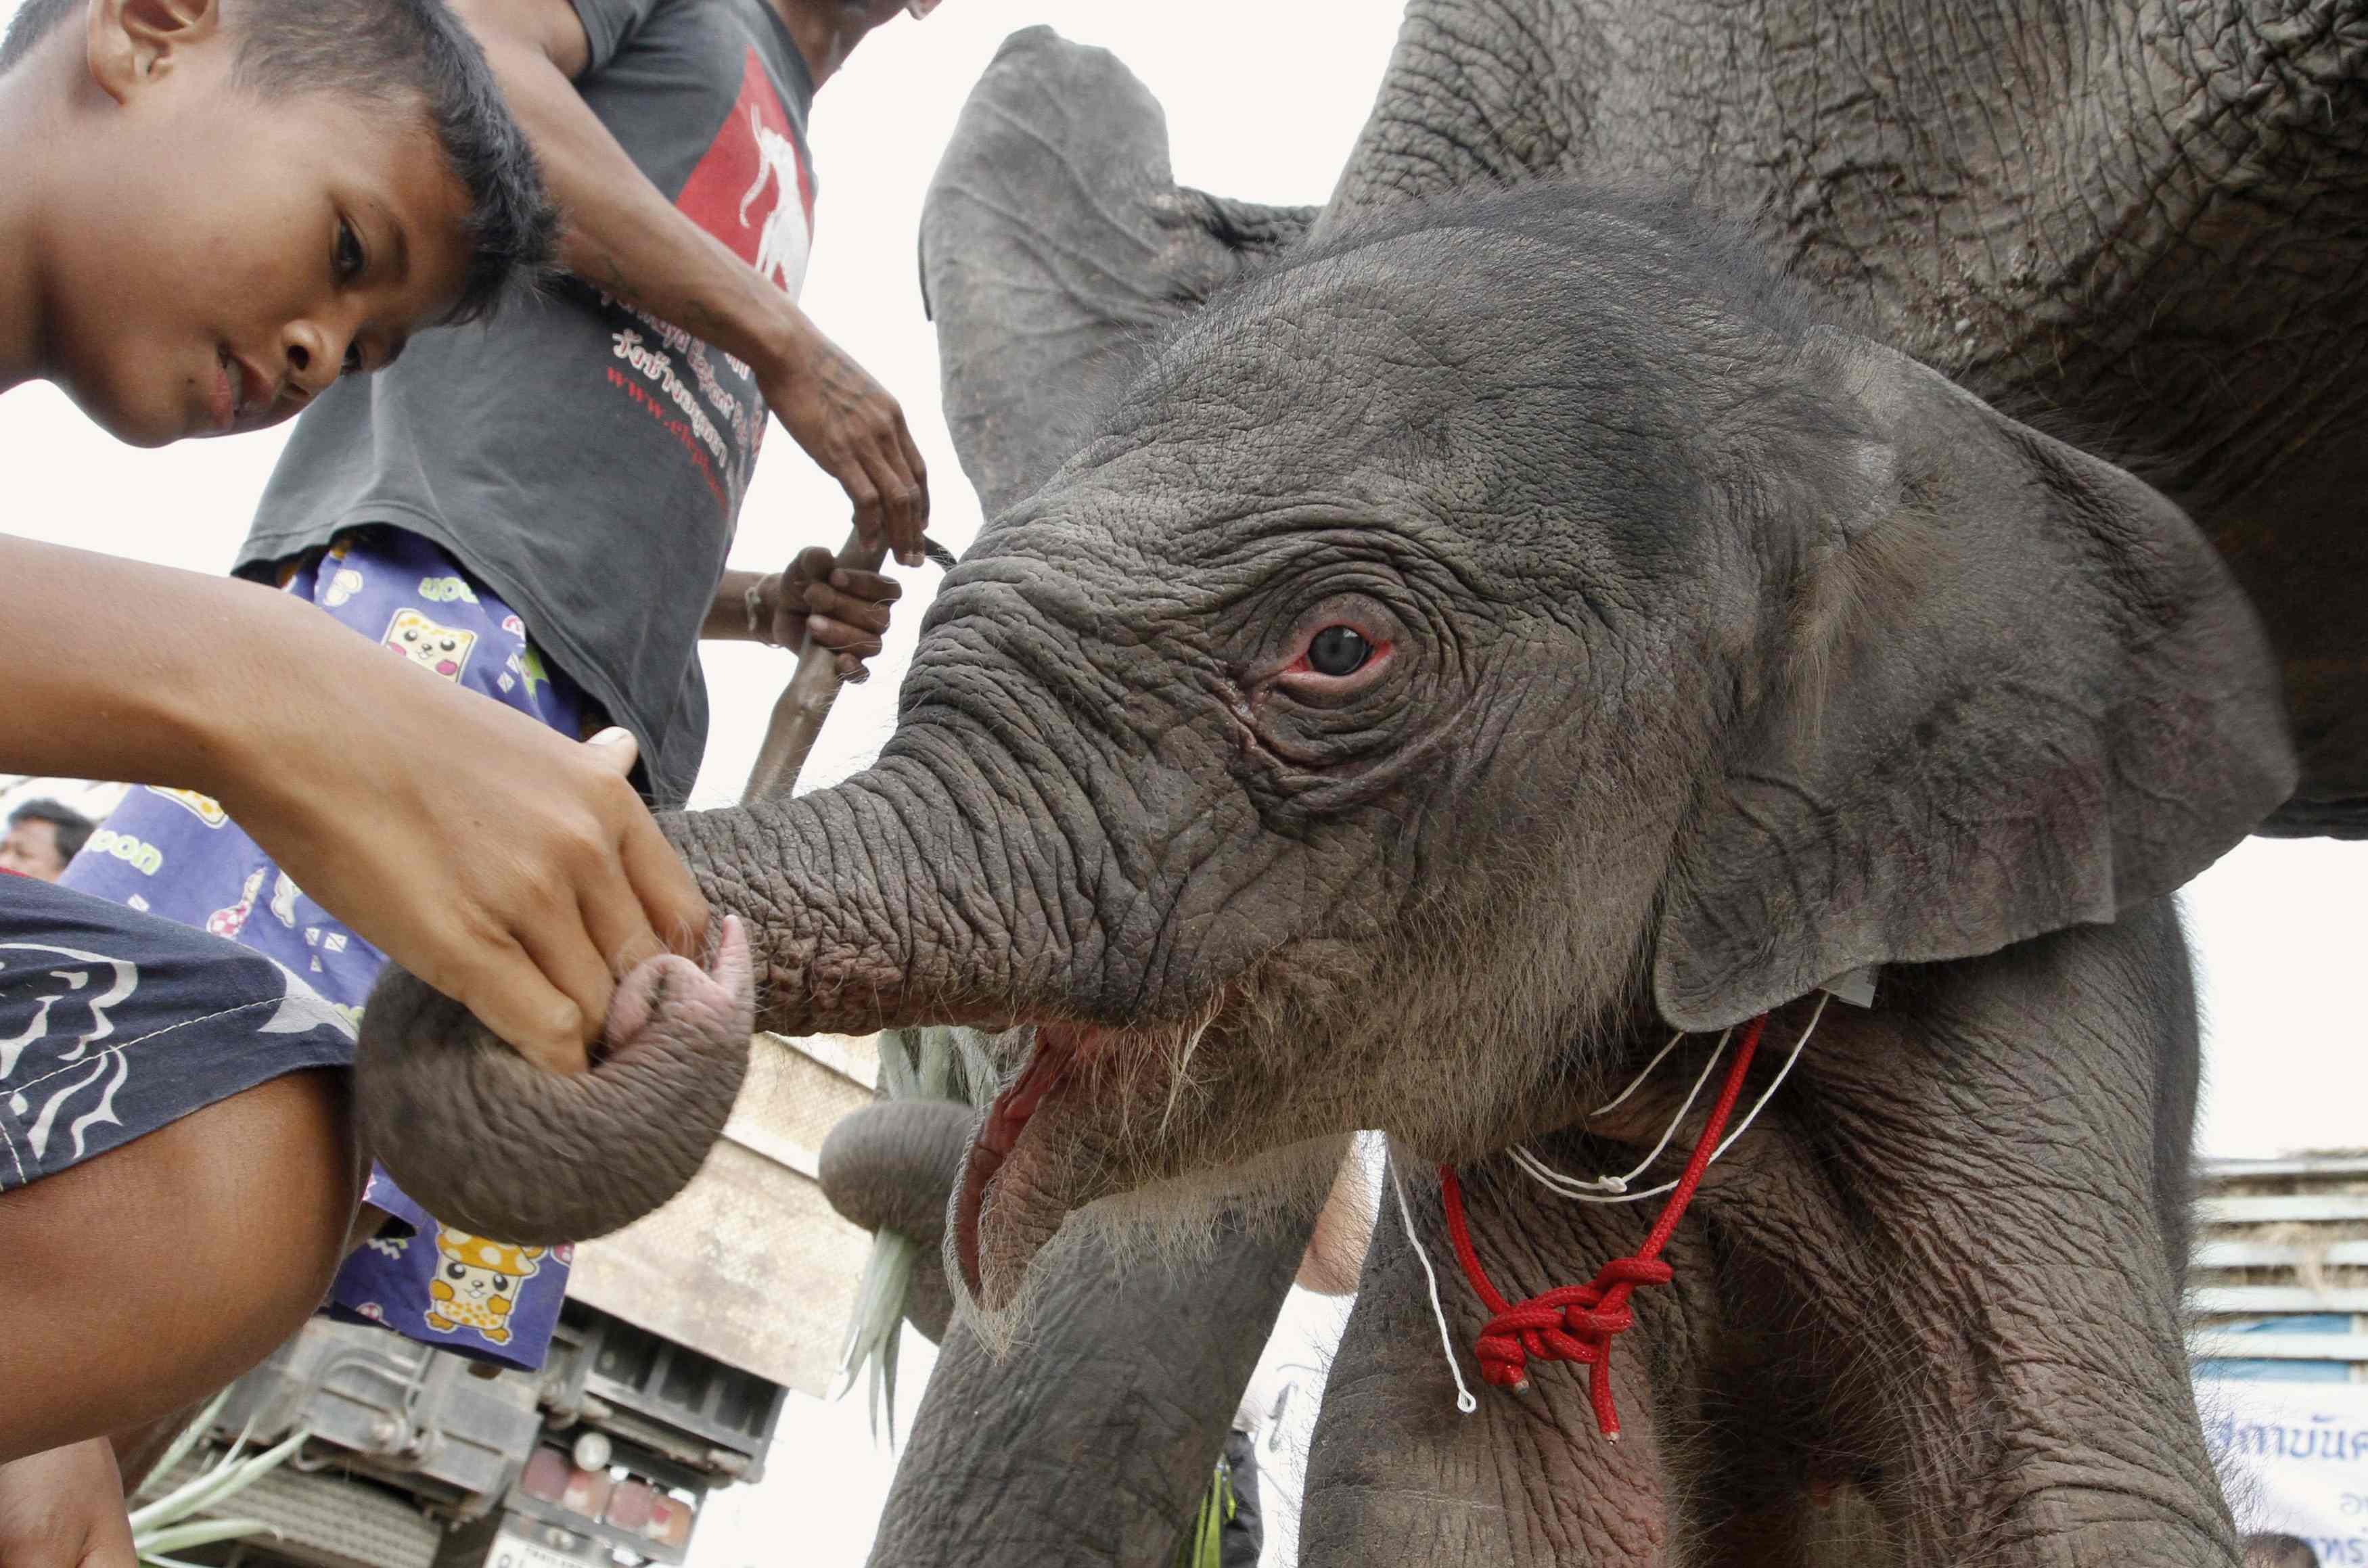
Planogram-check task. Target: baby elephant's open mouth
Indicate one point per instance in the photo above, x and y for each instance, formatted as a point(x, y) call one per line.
point(1050, 1053)
point(1059, 1137)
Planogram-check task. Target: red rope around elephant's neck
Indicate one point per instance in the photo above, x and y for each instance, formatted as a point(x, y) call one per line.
point(1576, 1323)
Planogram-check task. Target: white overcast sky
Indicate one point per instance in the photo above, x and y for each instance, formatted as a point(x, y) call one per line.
point(1263, 100)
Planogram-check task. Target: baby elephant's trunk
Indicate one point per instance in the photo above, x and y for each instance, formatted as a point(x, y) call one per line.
point(492, 1145)
point(854, 897)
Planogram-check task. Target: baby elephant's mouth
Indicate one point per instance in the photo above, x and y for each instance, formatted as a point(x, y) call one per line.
point(1050, 1054)
point(1083, 1121)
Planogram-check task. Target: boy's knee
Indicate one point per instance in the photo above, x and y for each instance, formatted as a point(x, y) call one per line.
point(149, 1277)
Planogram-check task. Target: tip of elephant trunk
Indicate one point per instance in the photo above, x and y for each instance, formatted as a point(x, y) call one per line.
point(487, 1143)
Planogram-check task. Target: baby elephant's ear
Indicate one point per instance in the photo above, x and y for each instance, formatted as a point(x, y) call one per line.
point(2014, 691)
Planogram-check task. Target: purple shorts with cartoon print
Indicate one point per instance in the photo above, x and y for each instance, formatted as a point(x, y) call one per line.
point(441, 1287)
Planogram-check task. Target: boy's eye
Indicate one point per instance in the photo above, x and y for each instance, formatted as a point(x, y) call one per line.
point(348, 260)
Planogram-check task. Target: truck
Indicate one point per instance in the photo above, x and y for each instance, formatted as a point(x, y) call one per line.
point(680, 1341)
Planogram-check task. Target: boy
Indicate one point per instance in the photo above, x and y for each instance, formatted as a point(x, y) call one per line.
point(344, 173)
point(541, 512)
point(573, 476)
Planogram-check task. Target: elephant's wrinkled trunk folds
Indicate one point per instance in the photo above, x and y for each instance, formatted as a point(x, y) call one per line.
point(849, 894)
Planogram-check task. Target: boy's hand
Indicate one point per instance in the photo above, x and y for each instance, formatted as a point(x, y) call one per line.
point(855, 431)
point(513, 869)
point(64, 1509)
point(846, 612)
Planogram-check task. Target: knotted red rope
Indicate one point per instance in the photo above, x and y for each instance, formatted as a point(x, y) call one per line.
point(1577, 1323)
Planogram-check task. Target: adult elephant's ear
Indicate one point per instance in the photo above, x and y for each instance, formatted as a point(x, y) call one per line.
point(2010, 689)
point(1056, 249)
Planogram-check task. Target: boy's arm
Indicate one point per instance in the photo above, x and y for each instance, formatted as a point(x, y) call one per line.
point(624, 236)
point(846, 610)
point(511, 868)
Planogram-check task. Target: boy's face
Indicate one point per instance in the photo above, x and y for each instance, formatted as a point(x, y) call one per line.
point(229, 256)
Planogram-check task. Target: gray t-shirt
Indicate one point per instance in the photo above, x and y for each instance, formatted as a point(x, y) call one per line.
point(584, 459)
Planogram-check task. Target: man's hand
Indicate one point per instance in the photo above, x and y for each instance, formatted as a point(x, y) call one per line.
point(64, 1509)
point(853, 430)
point(843, 610)
point(513, 869)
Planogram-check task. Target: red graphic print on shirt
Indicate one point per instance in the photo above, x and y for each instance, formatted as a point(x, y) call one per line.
point(753, 190)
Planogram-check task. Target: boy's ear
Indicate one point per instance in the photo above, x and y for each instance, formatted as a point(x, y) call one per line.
point(134, 42)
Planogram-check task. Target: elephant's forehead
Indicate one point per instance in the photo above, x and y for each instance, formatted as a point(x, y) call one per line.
point(1433, 376)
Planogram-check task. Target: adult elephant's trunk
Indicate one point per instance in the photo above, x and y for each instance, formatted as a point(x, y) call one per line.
point(869, 906)
point(892, 1167)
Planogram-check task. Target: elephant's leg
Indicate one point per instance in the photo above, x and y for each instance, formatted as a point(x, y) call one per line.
point(1971, 1203)
point(1094, 1440)
point(1396, 1475)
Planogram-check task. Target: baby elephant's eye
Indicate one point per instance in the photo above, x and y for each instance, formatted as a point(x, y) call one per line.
point(1338, 651)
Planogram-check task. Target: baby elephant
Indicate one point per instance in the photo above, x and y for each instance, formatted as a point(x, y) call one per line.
point(1475, 648)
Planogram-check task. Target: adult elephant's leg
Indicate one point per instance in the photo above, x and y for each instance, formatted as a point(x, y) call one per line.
point(1967, 1218)
point(1094, 1440)
point(1396, 1474)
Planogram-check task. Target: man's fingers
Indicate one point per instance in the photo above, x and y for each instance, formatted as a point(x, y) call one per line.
point(847, 609)
point(565, 950)
point(904, 501)
point(841, 638)
point(669, 897)
point(670, 900)
point(873, 587)
point(619, 926)
point(615, 747)
point(506, 990)
point(863, 492)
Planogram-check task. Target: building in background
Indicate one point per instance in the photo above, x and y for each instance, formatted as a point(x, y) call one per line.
point(2279, 1290)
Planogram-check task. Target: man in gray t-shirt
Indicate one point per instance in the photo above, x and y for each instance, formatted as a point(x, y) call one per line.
point(587, 460)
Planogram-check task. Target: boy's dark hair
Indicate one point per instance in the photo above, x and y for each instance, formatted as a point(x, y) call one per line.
point(385, 51)
point(73, 828)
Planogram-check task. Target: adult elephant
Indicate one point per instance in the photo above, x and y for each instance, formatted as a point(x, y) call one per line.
point(2143, 221)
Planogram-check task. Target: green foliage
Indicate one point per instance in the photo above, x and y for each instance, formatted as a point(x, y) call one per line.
point(168, 1523)
point(1203, 1545)
point(914, 1064)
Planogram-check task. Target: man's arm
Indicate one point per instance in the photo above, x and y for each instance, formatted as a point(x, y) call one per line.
point(508, 866)
point(629, 239)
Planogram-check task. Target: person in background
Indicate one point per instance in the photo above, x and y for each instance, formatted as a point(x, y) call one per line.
point(42, 836)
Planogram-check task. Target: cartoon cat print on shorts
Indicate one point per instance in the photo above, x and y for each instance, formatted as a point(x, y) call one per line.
point(476, 1283)
point(443, 649)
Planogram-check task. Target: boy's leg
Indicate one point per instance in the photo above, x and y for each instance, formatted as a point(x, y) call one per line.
point(144, 1279)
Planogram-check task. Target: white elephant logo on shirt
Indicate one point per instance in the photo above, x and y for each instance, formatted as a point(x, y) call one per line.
point(781, 243)
point(59, 999)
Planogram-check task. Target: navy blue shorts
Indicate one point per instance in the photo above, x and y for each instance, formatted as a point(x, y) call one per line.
point(114, 1023)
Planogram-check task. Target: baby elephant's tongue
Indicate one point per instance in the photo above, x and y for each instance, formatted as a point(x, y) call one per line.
point(1047, 1063)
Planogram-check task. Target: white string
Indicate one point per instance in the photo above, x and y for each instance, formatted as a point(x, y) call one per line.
point(1464, 1400)
point(1637, 1082)
point(1572, 1186)
point(1612, 1189)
